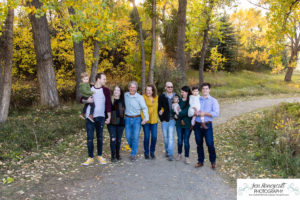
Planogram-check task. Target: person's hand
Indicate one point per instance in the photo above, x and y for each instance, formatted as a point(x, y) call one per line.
point(107, 121)
point(160, 112)
point(201, 113)
point(195, 110)
point(175, 116)
point(144, 121)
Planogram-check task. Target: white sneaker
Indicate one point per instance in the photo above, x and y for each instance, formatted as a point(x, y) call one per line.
point(187, 160)
point(101, 160)
point(178, 157)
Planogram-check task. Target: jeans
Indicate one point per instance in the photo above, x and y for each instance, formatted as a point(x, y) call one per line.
point(147, 129)
point(168, 129)
point(183, 135)
point(209, 139)
point(132, 132)
point(90, 127)
point(86, 106)
point(115, 133)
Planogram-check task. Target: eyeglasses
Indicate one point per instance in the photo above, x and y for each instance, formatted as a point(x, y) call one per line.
point(169, 86)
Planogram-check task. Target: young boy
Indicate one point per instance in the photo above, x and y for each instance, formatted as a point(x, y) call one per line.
point(195, 106)
point(86, 92)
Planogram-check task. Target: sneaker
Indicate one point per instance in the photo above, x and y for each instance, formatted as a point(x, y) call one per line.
point(82, 116)
point(147, 157)
point(170, 158)
point(88, 161)
point(91, 118)
point(187, 160)
point(178, 157)
point(132, 158)
point(101, 160)
point(166, 154)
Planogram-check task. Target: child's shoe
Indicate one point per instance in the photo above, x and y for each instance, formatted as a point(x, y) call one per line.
point(82, 116)
point(203, 125)
point(91, 118)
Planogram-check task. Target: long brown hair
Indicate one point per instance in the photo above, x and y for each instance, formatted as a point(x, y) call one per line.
point(153, 89)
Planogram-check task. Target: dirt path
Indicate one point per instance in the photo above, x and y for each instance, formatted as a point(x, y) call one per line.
point(162, 179)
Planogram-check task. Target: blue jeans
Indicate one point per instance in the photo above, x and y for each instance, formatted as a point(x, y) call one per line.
point(183, 135)
point(90, 127)
point(147, 129)
point(209, 139)
point(115, 133)
point(168, 129)
point(132, 132)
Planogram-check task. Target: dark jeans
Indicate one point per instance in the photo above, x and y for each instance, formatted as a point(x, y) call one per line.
point(90, 127)
point(147, 129)
point(115, 133)
point(86, 105)
point(209, 139)
point(183, 136)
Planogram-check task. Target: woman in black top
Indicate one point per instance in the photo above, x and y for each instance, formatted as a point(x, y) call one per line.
point(116, 126)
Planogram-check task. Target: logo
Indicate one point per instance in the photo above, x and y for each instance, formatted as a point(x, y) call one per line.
point(266, 189)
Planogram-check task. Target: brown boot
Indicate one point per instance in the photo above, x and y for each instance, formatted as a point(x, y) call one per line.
point(203, 125)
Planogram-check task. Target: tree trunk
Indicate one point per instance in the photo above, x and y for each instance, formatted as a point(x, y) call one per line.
point(208, 13)
point(94, 68)
point(152, 61)
point(142, 45)
point(289, 73)
point(79, 58)
point(6, 54)
point(203, 52)
point(180, 54)
point(42, 46)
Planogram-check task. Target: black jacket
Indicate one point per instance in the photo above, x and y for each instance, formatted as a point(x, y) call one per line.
point(164, 103)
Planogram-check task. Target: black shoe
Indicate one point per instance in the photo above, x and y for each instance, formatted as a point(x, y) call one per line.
point(147, 157)
point(118, 157)
point(170, 158)
point(113, 160)
point(166, 154)
point(152, 156)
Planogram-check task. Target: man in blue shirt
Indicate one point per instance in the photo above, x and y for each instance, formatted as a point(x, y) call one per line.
point(209, 109)
point(134, 104)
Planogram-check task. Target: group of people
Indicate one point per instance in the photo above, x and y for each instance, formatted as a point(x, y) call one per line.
point(131, 111)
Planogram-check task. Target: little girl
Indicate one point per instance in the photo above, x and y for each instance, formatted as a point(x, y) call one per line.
point(175, 105)
point(195, 105)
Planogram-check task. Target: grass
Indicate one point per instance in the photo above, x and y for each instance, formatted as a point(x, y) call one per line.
point(261, 144)
point(246, 83)
point(32, 129)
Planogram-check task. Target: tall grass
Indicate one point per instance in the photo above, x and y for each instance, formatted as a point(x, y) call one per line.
point(246, 83)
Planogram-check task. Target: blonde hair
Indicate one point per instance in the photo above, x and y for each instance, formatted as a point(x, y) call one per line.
point(84, 74)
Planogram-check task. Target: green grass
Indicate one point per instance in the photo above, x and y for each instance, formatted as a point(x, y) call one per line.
point(34, 128)
point(261, 144)
point(246, 83)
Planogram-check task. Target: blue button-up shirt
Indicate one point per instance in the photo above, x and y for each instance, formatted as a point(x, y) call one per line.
point(209, 105)
point(134, 104)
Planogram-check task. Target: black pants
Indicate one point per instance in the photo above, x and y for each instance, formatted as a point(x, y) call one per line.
point(86, 105)
point(115, 133)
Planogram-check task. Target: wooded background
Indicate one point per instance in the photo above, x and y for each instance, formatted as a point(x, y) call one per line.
point(46, 44)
